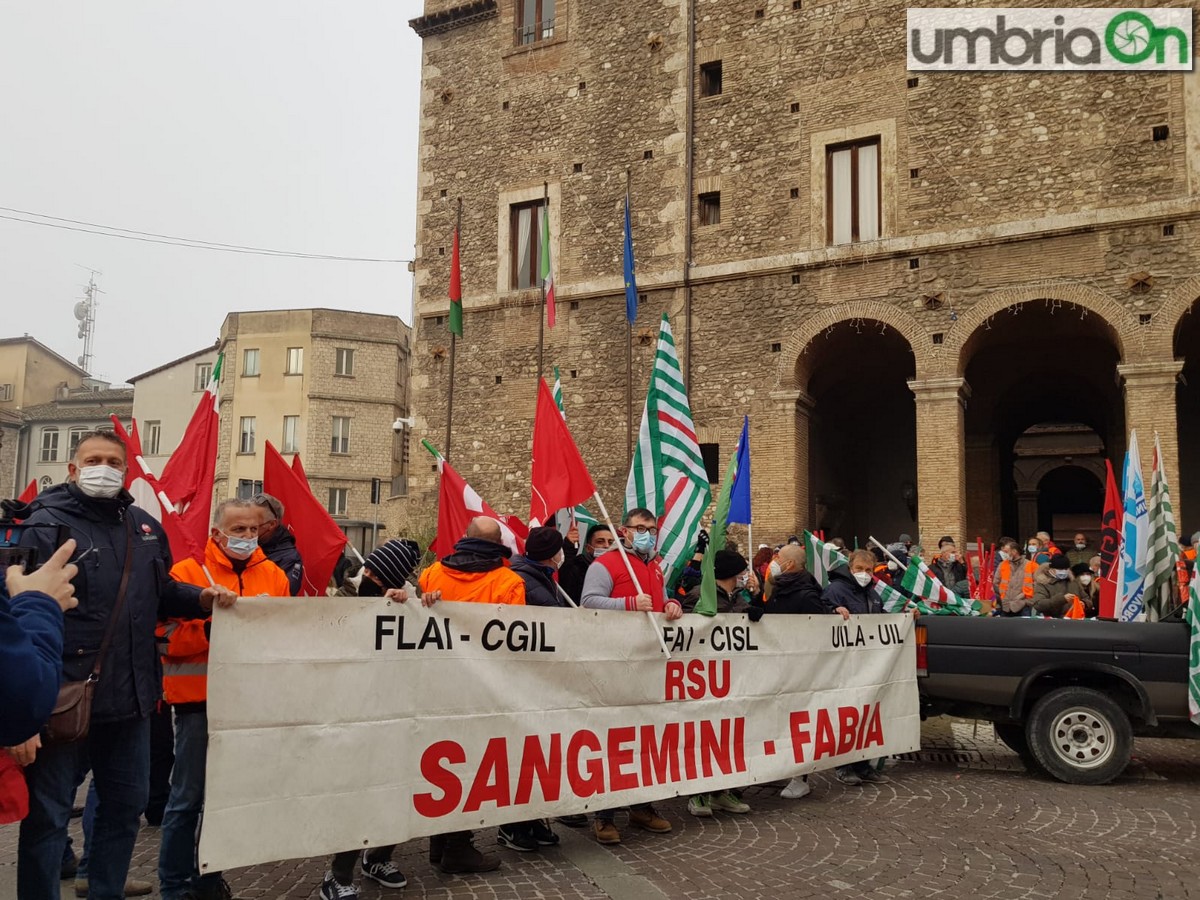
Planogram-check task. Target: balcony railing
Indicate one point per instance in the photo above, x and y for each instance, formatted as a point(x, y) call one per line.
point(531, 34)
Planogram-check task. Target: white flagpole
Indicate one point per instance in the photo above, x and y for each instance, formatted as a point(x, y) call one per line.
point(629, 567)
point(565, 595)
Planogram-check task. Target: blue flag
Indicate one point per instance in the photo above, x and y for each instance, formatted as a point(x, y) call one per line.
point(631, 295)
point(739, 501)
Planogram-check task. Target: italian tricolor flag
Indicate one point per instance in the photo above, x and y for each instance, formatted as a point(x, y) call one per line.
point(547, 277)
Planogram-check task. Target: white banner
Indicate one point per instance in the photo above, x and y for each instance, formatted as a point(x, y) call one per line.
point(342, 723)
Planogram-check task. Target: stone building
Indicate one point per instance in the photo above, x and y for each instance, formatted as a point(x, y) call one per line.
point(325, 384)
point(907, 280)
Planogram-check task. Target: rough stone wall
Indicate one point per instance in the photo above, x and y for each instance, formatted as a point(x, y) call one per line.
point(1026, 187)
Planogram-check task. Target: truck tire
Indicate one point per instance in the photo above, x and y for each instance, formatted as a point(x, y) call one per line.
point(1080, 736)
point(1013, 736)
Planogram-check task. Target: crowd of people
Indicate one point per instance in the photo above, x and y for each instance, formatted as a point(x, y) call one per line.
point(110, 610)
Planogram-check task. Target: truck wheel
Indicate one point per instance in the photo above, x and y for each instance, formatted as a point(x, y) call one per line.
point(1013, 737)
point(1080, 736)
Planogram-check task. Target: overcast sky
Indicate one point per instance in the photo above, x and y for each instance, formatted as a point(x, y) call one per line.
point(287, 124)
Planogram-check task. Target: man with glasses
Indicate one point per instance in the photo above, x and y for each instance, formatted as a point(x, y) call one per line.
point(609, 585)
point(277, 542)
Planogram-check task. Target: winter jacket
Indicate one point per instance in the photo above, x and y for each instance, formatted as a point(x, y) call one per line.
point(476, 572)
point(949, 574)
point(1089, 595)
point(31, 636)
point(184, 642)
point(573, 571)
point(608, 585)
point(540, 589)
point(844, 591)
point(797, 593)
point(281, 550)
point(1050, 594)
point(131, 682)
point(738, 603)
point(1013, 584)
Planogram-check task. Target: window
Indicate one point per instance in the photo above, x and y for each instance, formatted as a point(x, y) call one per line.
point(153, 438)
point(710, 78)
point(341, 435)
point(49, 444)
point(291, 434)
point(246, 488)
point(250, 363)
point(534, 21)
point(246, 444)
point(74, 435)
point(711, 454)
point(295, 361)
point(525, 242)
point(710, 208)
point(344, 364)
point(203, 376)
point(46, 482)
point(6, 392)
point(339, 498)
point(852, 197)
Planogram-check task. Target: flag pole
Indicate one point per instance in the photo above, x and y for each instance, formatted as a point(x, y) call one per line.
point(453, 340)
point(629, 567)
point(628, 368)
point(542, 282)
point(908, 601)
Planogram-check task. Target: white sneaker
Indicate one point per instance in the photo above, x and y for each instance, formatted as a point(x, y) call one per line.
point(796, 788)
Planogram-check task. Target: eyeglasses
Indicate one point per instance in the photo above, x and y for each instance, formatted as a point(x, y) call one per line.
point(644, 529)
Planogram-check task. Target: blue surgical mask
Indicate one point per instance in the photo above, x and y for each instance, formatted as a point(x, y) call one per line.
point(240, 548)
point(645, 543)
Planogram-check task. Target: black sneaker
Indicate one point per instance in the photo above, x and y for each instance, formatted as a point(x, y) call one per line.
point(332, 889)
point(541, 832)
point(386, 873)
point(573, 821)
point(516, 838)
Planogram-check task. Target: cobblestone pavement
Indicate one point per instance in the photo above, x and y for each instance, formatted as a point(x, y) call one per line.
point(961, 819)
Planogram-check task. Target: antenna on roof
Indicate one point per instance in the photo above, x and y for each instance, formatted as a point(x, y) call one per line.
point(85, 314)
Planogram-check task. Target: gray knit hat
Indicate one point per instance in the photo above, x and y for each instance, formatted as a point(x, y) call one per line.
point(394, 561)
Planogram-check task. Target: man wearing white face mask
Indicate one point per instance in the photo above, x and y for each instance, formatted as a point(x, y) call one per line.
point(542, 559)
point(122, 586)
point(233, 558)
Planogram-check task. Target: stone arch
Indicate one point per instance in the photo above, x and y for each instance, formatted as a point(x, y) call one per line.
point(1169, 317)
point(790, 374)
point(1122, 325)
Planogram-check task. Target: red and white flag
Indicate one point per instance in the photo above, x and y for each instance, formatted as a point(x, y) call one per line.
point(319, 540)
point(458, 504)
point(560, 479)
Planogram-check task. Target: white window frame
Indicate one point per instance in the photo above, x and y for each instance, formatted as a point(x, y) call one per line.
point(74, 433)
point(246, 435)
point(340, 435)
point(294, 361)
point(203, 377)
point(49, 453)
point(339, 501)
point(504, 204)
point(250, 364)
point(153, 438)
point(291, 442)
point(889, 192)
point(6, 393)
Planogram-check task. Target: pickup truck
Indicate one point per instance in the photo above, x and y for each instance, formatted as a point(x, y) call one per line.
point(1068, 695)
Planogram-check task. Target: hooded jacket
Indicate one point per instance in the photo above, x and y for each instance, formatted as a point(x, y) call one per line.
point(281, 550)
point(844, 591)
point(540, 589)
point(796, 593)
point(476, 572)
point(31, 634)
point(184, 642)
point(130, 683)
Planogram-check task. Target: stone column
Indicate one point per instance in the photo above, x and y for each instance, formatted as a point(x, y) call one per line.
point(1150, 407)
point(788, 508)
point(941, 458)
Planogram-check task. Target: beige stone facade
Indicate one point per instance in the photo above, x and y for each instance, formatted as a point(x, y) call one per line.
point(164, 399)
point(1035, 264)
point(311, 371)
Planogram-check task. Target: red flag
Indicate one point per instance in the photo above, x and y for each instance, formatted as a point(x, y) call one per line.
point(318, 538)
point(189, 474)
point(1110, 545)
point(458, 504)
point(298, 468)
point(29, 493)
point(148, 493)
point(560, 479)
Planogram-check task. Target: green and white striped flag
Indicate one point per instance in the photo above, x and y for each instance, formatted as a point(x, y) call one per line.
point(1192, 616)
point(1162, 582)
point(667, 476)
point(821, 559)
point(922, 583)
point(556, 392)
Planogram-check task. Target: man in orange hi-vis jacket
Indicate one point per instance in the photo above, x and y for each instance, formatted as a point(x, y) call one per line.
point(233, 558)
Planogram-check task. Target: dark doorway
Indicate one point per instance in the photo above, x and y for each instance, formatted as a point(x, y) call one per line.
point(1034, 364)
point(863, 434)
point(1187, 409)
point(1070, 499)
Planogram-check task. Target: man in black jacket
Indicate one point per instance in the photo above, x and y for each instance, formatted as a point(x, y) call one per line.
point(571, 575)
point(278, 543)
point(543, 556)
point(110, 534)
point(795, 591)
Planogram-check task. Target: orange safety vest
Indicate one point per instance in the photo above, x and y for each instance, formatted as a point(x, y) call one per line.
point(1006, 573)
point(183, 642)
